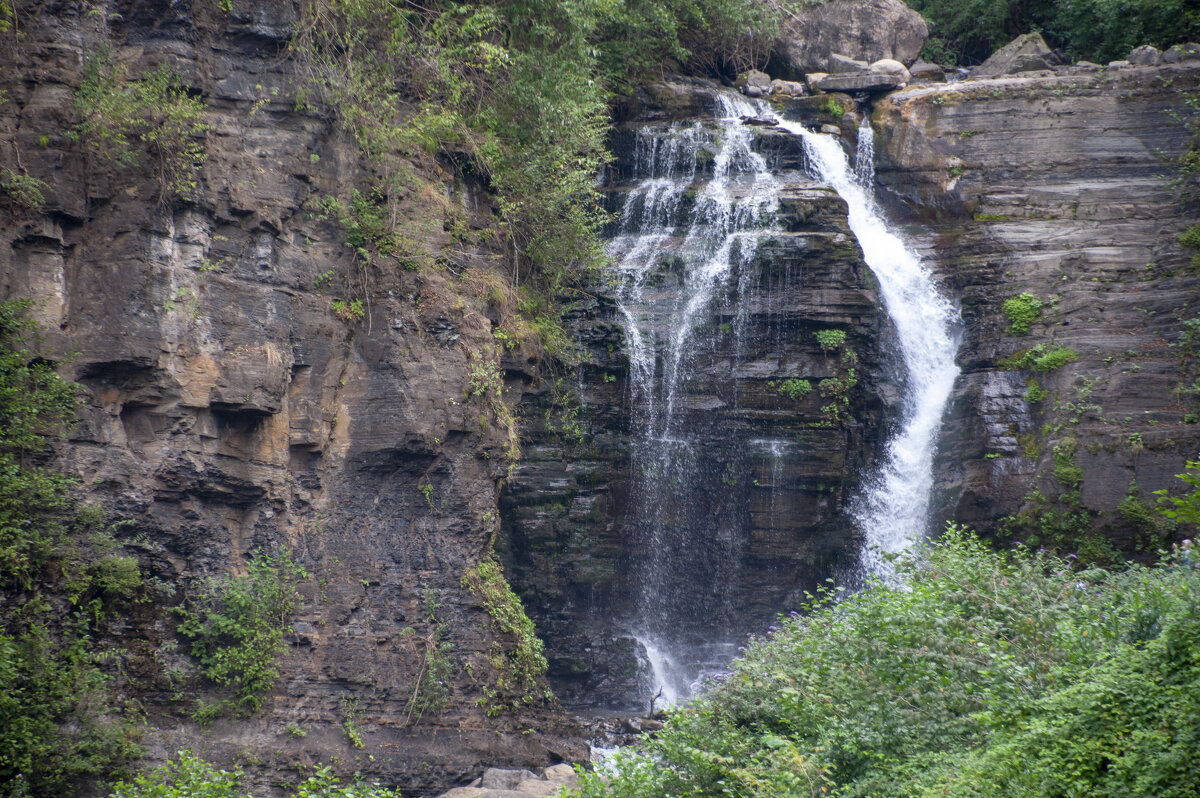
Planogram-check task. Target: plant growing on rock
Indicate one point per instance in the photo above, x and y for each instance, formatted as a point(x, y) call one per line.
point(518, 664)
point(830, 340)
point(236, 625)
point(157, 111)
point(1042, 357)
point(1021, 311)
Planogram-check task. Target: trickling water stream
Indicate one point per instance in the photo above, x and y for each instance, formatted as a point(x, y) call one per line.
point(702, 203)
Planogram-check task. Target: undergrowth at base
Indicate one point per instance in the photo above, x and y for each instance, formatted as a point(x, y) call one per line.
point(988, 674)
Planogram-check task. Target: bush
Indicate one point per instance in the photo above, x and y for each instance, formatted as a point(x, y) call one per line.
point(59, 722)
point(981, 663)
point(830, 339)
point(518, 664)
point(1021, 311)
point(793, 388)
point(236, 625)
point(156, 111)
point(1042, 357)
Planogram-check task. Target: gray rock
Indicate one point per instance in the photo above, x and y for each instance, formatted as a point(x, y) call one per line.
point(838, 64)
point(890, 66)
point(1026, 53)
point(788, 88)
point(1145, 56)
point(504, 779)
point(862, 81)
point(1181, 52)
point(865, 30)
point(813, 79)
point(925, 72)
point(754, 83)
point(1119, 64)
point(563, 773)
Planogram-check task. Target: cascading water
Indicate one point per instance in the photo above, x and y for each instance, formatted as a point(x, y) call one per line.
point(701, 202)
point(893, 510)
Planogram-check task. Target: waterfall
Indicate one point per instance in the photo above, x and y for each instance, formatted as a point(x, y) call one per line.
point(893, 510)
point(700, 202)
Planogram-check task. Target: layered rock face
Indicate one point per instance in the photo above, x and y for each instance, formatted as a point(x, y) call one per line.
point(762, 498)
point(1054, 184)
point(229, 408)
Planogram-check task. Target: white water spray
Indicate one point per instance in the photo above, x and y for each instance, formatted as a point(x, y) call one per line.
point(893, 511)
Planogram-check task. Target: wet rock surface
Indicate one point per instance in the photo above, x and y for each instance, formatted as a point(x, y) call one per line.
point(774, 471)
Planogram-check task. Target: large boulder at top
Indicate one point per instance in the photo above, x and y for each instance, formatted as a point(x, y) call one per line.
point(1026, 53)
point(865, 30)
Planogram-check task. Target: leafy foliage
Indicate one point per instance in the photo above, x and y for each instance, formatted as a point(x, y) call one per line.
point(59, 724)
point(987, 674)
point(156, 111)
point(830, 339)
point(236, 625)
point(189, 776)
point(1186, 508)
point(792, 387)
point(518, 665)
point(1042, 357)
point(968, 31)
point(1021, 311)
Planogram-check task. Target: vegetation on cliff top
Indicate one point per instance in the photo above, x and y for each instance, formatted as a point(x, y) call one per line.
point(968, 31)
point(987, 674)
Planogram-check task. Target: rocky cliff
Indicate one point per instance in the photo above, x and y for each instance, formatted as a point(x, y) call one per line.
point(231, 405)
point(236, 398)
point(1056, 184)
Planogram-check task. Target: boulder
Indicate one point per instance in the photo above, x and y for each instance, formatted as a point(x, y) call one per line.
point(838, 64)
point(1026, 53)
point(1181, 52)
point(890, 66)
point(788, 88)
point(868, 81)
point(1145, 56)
point(925, 72)
point(865, 30)
point(813, 80)
point(754, 83)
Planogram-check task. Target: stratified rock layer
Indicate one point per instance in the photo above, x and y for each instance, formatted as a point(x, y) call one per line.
point(229, 408)
point(1054, 185)
point(773, 472)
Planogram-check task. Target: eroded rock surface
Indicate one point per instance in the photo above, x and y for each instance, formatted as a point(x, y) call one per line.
point(867, 30)
point(1054, 185)
point(230, 408)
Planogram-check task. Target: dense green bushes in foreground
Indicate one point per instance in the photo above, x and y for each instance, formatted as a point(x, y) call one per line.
point(987, 674)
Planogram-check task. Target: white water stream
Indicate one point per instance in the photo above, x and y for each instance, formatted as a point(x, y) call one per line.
point(703, 201)
point(893, 511)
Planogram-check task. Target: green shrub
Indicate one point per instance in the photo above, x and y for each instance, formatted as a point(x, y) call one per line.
point(236, 625)
point(985, 674)
point(518, 664)
point(1021, 311)
point(1184, 509)
point(156, 111)
point(1190, 239)
point(968, 31)
point(830, 339)
point(60, 723)
point(1042, 357)
point(185, 776)
point(792, 388)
